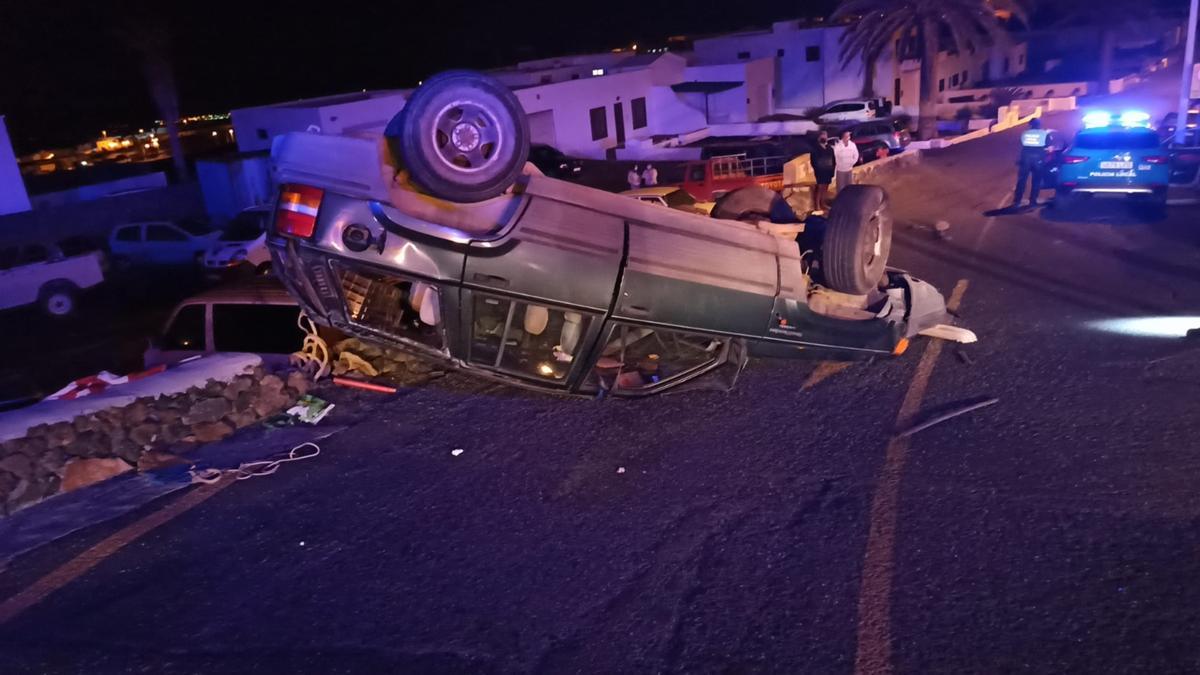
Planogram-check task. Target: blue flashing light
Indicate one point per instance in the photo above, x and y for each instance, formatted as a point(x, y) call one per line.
point(1135, 118)
point(1096, 119)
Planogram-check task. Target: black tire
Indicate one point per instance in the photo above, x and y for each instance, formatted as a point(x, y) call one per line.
point(462, 136)
point(858, 240)
point(59, 299)
point(752, 203)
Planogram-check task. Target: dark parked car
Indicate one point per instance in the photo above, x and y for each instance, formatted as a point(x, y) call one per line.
point(876, 138)
point(464, 259)
point(553, 163)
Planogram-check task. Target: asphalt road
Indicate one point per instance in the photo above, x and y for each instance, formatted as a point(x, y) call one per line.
point(778, 528)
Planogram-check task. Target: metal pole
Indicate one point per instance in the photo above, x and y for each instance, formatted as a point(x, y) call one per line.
point(1185, 83)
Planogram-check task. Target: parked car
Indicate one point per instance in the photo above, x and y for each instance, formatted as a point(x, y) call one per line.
point(160, 243)
point(464, 259)
point(552, 162)
point(241, 245)
point(861, 109)
point(888, 136)
point(256, 316)
point(47, 275)
point(709, 179)
point(671, 196)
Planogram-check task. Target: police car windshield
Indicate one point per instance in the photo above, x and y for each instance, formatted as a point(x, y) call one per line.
point(1117, 139)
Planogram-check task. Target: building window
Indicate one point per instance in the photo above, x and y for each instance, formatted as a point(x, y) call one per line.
point(638, 106)
point(812, 53)
point(546, 79)
point(779, 52)
point(954, 80)
point(965, 76)
point(742, 56)
point(599, 123)
point(574, 76)
point(942, 85)
point(1006, 64)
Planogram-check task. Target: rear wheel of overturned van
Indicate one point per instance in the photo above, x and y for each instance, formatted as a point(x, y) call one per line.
point(462, 136)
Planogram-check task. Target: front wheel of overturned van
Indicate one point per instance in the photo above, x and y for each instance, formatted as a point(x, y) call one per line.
point(858, 239)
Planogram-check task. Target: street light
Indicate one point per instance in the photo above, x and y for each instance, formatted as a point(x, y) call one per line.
point(1185, 83)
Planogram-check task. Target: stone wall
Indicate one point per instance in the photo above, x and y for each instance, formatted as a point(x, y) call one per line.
point(146, 434)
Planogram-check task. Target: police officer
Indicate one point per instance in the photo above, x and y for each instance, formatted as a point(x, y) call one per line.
point(1032, 162)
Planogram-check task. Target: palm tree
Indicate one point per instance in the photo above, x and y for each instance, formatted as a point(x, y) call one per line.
point(924, 25)
point(1120, 19)
point(148, 38)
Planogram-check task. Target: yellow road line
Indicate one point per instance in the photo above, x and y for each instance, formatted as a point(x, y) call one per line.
point(874, 652)
point(823, 371)
point(82, 563)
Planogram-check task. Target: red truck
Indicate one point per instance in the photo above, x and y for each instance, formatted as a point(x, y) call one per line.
point(708, 179)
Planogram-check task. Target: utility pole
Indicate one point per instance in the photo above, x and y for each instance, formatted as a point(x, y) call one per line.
point(1185, 84)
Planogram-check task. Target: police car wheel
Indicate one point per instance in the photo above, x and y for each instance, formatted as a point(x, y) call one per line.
point(858, 239)
point(462, 136)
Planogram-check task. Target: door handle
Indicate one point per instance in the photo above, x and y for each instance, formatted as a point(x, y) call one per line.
point(490, 279)
point(637, 310)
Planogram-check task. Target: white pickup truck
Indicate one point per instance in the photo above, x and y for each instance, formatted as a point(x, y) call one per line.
point(50, 275)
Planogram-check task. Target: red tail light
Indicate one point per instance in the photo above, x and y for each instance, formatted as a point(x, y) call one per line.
point(1157, 159)
point(297, 211)
point(1073, 159)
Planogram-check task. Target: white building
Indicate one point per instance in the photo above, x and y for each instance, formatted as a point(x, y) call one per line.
point(358, 112)
point(809, 71)
point(13, 197)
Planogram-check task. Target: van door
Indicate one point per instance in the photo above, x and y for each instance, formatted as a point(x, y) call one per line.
point(534, 300)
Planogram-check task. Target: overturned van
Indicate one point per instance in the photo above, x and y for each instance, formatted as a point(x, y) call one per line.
point(438, 238)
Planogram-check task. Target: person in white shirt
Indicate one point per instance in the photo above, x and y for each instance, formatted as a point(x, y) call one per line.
point(845, 156)
point(634, 178)
point(650, 176)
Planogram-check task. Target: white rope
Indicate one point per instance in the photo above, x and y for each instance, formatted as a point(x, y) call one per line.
point(246, 470)
point(314, 352)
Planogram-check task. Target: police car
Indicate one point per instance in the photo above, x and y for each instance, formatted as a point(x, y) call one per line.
point(1115, 155)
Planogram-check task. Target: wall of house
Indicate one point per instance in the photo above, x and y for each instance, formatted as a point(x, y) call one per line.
point(13, 197)
point(570, 104)
point(361, 116)
point(255, 127)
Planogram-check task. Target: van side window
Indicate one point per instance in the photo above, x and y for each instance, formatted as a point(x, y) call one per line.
point(186, 332)
point(525, 338)
point(262, 329)
point(394, 305)
point(696, 173)
point(639, 358)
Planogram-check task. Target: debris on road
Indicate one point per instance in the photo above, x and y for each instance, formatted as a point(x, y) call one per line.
point(456, 452)
point(354, 356)
point(310, 409)
point(361, 384)
point(620, 469)
point(964, 357)
point(947, 416)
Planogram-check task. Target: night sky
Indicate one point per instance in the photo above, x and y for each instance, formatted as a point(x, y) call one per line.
point(66, 71)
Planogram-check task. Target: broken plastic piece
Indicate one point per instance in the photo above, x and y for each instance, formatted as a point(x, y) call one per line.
point(953, 333)
point(359, 384)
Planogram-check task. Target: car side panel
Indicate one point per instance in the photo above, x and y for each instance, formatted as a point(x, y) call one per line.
point(557, 251)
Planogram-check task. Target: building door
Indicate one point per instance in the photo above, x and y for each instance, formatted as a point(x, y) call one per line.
point(896, 92)
point(619, 121)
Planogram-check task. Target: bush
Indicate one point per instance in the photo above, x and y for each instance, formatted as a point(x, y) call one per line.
point(990, 111)
point(963, 114)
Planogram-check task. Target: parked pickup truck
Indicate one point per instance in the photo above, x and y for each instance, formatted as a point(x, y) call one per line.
point(439, 239)
point(706, 180)
point(46, 275)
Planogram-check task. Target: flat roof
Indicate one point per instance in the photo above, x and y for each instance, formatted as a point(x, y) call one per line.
point(704, 87)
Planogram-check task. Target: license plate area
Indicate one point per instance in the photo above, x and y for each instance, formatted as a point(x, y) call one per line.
point(1116, 165)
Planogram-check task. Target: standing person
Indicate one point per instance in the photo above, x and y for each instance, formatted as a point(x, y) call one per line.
point(845, 156)
point(634, 178)
point(821, 158)
point(1031, 162)
point(650, 176)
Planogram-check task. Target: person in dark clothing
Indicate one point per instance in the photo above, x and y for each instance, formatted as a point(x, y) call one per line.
point(1032, 162)
point(821, 158)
